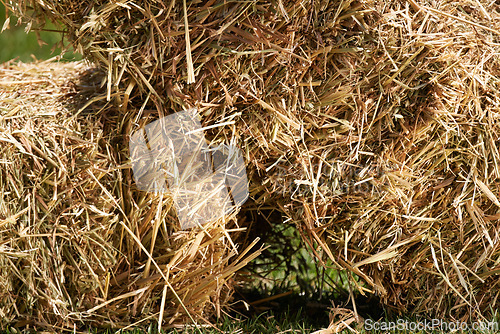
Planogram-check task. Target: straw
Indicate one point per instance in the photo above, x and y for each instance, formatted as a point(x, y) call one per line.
point(371, 126)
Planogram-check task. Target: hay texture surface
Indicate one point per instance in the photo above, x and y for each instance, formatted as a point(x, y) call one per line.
point(78, 244)
point(373, 125)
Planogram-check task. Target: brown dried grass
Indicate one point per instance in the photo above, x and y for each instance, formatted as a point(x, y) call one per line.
point(79, 245)
point(372, 125)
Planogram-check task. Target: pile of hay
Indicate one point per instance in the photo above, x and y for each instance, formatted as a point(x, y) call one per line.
point(372, 125)
point(79, 244)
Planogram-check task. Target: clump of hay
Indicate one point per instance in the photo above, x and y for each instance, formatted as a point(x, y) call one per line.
point(372, 125)
point(79, 244)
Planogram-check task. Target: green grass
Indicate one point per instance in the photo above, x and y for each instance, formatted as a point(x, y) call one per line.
point(15, 43)
point(287, 265)
point(263, 323)
point(269, 323)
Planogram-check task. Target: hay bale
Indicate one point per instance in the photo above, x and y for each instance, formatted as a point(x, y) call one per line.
point(80, 245)
point(407, 199)
point(372, 125)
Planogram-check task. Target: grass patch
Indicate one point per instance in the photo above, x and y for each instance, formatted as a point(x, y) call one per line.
point(289, 322)
point(15, 43)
